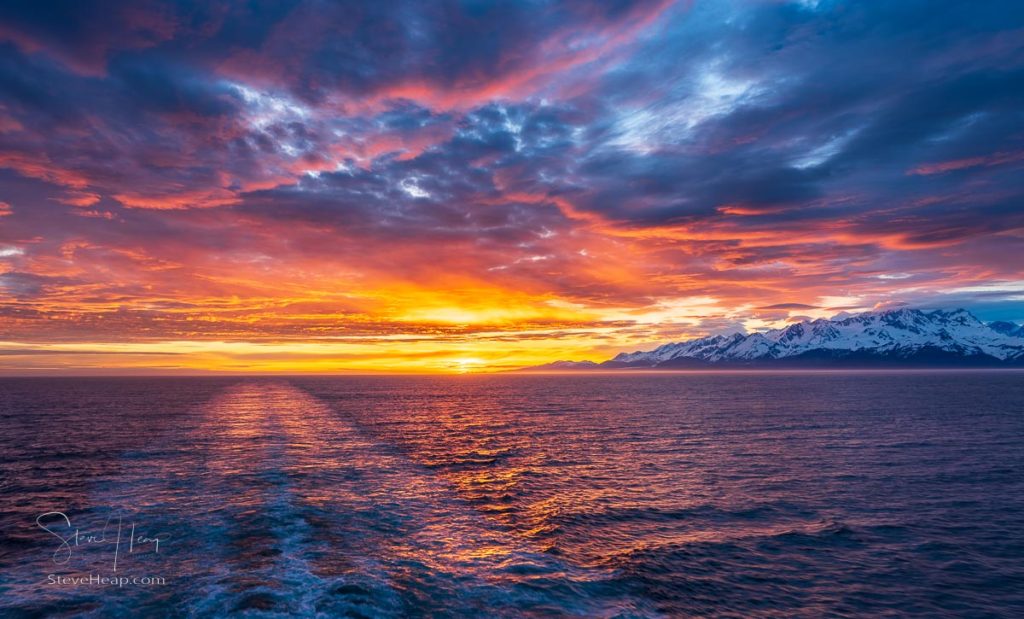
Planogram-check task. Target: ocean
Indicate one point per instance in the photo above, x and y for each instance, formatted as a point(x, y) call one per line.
point(801, 494)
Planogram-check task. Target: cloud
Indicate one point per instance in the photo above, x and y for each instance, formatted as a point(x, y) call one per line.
point(190, 170)
point(788, 306)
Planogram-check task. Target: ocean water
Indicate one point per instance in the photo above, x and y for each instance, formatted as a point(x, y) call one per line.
point(668, 495)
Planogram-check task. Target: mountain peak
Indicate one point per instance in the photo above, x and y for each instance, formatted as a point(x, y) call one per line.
point(1011, 329)
point(894, 335)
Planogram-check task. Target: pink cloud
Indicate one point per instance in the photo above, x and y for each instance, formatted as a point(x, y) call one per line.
point(942, 167)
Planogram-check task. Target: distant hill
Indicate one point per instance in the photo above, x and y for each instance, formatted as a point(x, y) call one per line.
point(888, 338)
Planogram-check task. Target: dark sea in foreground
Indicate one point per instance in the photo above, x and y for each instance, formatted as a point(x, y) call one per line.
point(713, 495)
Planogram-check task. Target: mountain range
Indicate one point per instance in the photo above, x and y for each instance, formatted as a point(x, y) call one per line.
point(888, 338)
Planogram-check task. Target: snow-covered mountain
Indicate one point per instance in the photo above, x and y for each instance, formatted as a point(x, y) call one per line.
point(896, 336)
point(1007, 328)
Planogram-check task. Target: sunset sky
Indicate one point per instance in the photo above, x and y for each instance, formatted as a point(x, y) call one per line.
point(469, 186)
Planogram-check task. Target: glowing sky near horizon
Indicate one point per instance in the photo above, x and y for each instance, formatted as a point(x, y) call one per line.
point(465, 186)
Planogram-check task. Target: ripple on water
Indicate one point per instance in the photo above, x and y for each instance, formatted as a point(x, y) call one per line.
point(632, 496)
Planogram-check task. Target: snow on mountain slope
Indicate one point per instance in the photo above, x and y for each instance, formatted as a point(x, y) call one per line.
point(896, 333)
point(1007, 328)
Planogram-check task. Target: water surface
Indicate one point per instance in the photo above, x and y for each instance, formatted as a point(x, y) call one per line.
point(720, 495)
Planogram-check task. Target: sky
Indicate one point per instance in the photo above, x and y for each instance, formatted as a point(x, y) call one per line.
point(450, 186)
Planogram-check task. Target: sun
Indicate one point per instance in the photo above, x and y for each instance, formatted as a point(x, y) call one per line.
point(464, 365)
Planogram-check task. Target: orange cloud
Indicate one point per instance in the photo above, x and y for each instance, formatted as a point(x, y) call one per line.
point(971, 162)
